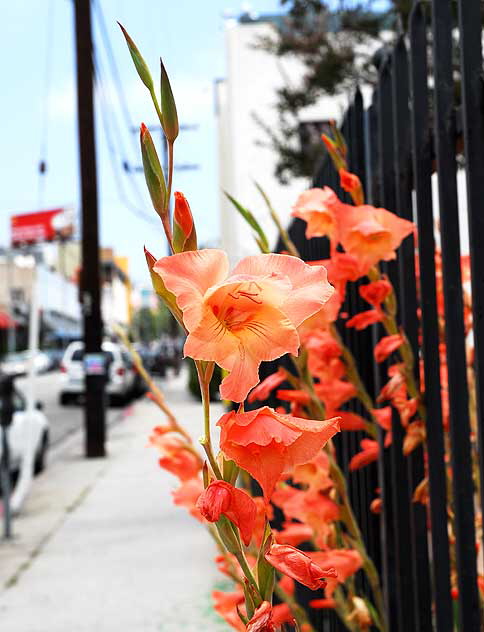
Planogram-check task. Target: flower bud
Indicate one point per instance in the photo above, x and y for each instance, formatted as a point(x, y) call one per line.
point(298, 565)
point(139, 62)
point(154, 177)
point(222, 499)
point(184, 234)
point(168, 107)
point(214, 502)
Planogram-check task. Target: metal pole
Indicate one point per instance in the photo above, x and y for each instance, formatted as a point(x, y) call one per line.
point(6, 413)
point(5, 486)
point(95, 406)
point(28, 453)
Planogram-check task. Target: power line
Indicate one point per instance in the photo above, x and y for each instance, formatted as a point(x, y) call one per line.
point(116, 149)
point(45, 113)
point(108, 119)
point(114, 67)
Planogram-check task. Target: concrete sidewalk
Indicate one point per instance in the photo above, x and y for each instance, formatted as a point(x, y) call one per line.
point(101, 548)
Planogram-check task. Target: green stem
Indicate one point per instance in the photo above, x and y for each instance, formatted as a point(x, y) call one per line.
point(204, 377)
point(170, 172)
point(157, 107)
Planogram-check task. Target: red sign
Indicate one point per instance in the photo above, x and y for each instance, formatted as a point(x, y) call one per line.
point(41, 226)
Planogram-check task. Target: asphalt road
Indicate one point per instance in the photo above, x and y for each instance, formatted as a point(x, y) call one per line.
point(63, 419)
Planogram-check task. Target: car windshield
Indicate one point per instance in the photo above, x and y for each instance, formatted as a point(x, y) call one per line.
point(78, 356)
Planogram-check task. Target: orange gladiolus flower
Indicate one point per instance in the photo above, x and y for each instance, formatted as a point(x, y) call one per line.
point(376, 292)
point(335, 392)
point(349, 181)
point(187, 495)
point(322, 604)
point(222, 498)
point(363, 319)
point(293, 533)
point(371, 234)
point(281, 613)
point(238, 321)
point(298, 565)
point(351, 421)
point(265, 388)
point(386, 346)
point(317, 207)
point(345, 561)
point(262, 620)
point(369, 453)
point(226, 605)
point(315, 474)
point(268, 444)
point(314, 509)
point(291, 395)
point(175, 457)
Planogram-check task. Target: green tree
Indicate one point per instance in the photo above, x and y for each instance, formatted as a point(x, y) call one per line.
point(149, 324)
point(337, 47)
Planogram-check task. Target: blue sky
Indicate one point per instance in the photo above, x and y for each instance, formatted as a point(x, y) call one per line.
point(36, 110)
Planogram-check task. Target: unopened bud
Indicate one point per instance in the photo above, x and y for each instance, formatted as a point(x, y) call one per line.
point(184, 234)
point(139, 62)
point(154, 177)
point(168, 107)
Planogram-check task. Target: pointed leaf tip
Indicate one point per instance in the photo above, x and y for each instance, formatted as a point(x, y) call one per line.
point(168, 107)
point(139, 63)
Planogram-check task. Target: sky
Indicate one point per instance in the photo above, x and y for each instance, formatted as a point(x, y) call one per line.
point(38, 111)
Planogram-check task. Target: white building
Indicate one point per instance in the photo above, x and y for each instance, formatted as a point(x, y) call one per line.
point(253, 77)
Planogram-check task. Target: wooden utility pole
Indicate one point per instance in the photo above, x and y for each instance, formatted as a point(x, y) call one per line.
point(94, 364)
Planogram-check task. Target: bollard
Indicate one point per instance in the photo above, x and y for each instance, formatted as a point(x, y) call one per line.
point(6, 416)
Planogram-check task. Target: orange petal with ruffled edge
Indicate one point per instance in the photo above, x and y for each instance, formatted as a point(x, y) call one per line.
point(267, 444)
point(188, 275)
point(310, 288)
point(293, 562)
point(265, 335)
point(222, 498)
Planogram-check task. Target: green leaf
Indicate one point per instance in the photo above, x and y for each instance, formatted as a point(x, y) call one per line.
point(230, 471)
point(160, 289)
point(139, 62)
point(253, 223)
point(168, 107)
point(266, 574)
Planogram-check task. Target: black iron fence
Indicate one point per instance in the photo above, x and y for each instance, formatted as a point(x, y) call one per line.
point(414, 132)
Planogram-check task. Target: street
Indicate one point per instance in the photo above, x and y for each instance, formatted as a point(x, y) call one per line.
point(63, 419)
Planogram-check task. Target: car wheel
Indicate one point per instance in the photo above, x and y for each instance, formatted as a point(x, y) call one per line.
point(41, 456)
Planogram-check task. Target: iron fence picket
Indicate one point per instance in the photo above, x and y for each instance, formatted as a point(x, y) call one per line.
point(414, 571)
point(470, 30)
point(463, 491)
point(389, 494)
point(422, 172)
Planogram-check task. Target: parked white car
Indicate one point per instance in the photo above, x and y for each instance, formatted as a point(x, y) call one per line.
point(121, 382)
point(18, 434)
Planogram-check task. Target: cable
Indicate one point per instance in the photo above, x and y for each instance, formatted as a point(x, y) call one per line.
point(109, 119)
point(45, 112)
point(114, 68)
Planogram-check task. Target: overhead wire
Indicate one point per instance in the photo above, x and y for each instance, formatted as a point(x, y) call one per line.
point(44, 134)
point(117, 149)
point(118, 84)
point(109, 120)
